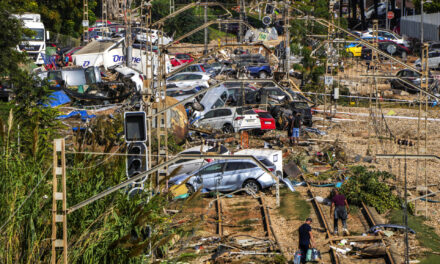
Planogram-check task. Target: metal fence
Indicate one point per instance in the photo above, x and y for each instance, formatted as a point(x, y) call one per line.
point(410, 26)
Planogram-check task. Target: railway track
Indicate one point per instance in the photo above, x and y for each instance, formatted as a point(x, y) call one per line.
point(247, 220)
point(367, 221)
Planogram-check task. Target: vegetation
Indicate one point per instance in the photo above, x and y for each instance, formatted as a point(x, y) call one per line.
point(293, 206)
point(370, 187)
point(424, 233)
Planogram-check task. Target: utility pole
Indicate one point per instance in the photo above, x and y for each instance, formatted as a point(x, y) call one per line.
point(128, 48)
point(287, 40)
point(205, 17)
point(85, 21)
point(240, 24)
point(104, 14)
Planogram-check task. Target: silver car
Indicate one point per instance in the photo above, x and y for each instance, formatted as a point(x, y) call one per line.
point(228, 175)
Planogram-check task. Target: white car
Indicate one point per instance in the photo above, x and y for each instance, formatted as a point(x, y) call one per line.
point(229, 120)
point(135, 76)
point(187, 79)
point(152, 35)
point(388, 35)
point(433, 60)
point(191, 165)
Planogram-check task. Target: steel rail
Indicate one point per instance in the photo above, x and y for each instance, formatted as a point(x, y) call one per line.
point(388, 257)
point(167, 163)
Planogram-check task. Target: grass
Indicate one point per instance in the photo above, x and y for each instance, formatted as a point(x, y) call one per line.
point(293, 206)
point(424, 233)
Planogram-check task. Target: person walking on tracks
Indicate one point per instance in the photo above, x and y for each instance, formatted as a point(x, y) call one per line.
point(288, 127)
point(340, 210)
point(295, 127)
point(305, 238)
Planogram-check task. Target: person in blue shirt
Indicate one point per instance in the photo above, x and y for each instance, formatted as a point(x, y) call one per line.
point(305, 239)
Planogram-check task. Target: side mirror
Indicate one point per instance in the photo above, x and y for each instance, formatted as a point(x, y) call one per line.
point(47, 35)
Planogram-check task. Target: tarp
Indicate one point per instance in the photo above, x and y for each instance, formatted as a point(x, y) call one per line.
point(82, 113)
point(58, 98)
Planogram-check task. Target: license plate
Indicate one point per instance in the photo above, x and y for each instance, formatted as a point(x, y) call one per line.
point(268, 123)
point(250, 120)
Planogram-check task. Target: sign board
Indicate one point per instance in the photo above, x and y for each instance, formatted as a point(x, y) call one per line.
point(328, 80)
point(85, 23)
point(390, 15)
point(262, 36)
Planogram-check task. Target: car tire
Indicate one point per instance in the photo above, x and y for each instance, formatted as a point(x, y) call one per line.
point(190, 188)
point(188, 105)
point(262, 75)
point(228, 129)
point(252, 185)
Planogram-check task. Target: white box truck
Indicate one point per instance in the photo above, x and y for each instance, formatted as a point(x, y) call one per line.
point(35, 45)
point(273, 155)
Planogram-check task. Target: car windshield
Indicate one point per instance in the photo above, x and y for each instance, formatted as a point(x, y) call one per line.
point(38, 36)
point(301, 105)
point(264, 115)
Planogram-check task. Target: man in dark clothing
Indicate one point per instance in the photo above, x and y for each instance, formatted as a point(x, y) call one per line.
point(296, 126)
point(305, 238)
point(288, 127)
point(340, 210)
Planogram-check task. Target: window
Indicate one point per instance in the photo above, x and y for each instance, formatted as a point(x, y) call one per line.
point(224, 96)
point(218, 103)
point(38, 35)
point(193, 77)
point(233, 166)
point(215, 168)
point(210, 114)
point(55, 76)
point(247, 165)
point(177, 77)
point(264, 115)
point(223, 112)
point(266, 162)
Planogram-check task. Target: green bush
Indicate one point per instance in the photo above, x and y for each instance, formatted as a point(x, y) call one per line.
point(369, 187)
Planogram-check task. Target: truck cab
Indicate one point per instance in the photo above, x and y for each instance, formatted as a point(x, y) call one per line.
point(35, 45)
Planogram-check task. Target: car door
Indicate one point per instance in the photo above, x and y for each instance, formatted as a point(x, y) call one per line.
point(207, 120)
point(211, 176)
point(433, 59)
point(223, 116)
point(237, 172)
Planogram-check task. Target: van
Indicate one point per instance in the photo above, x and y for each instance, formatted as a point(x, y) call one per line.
point(73, 76)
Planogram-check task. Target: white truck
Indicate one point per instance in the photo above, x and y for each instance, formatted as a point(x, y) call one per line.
point(35, 45)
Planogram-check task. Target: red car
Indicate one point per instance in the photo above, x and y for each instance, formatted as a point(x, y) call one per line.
point(266, 119)
point(180, 59)
point(99, 23)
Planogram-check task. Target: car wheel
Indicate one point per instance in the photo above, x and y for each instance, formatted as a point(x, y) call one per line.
point(228, 129)
point(251, 185)
point(188, 105)
point(262, 75)
point(190, 188)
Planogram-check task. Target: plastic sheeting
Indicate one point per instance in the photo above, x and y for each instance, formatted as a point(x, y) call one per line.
point(58, 98)
point(81, 113)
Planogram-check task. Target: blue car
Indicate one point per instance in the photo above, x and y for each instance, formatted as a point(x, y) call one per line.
point(260, 71)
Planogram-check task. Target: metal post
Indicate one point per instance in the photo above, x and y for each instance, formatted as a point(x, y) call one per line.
point(287, 40)
point(424, 86)
point(240, 24)
point(205, 16)
point(405, 214)
point(85, 18)
point(421, 22)
point(59, 195)
point(128, 48)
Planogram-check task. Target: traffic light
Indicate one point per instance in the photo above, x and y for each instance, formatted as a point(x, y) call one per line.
point(269, 9)
point(135, 127)
point(136, 160)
